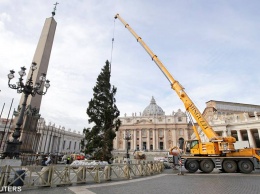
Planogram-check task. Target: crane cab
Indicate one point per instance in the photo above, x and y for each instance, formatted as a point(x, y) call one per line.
point(196, 148)
point(191, 147)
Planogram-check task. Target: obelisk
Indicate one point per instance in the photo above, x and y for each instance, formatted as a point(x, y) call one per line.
point(42, 58)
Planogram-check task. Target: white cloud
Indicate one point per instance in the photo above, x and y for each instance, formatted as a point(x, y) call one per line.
point(212, 49)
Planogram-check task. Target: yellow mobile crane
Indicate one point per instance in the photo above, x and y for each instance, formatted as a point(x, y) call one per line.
point(219, 152)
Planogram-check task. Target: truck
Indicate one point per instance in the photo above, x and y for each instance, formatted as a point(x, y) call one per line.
point(219, 152)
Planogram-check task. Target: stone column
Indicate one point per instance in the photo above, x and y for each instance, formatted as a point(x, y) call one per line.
point(148, 140)
point(50, 146)
point(165, 139)
point(174, 137)
point(156, 139)
point(40, 144)
point(140, 140)
point(251, 139)
point(60, 144)
point(124, 141)
point(47, 141)
point(44, 143)
point(239, 136)
point(153, 131)
point(134, 138)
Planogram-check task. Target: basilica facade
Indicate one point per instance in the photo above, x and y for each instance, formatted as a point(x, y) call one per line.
point(239, 120)
point(152, 130)
point(155, 132)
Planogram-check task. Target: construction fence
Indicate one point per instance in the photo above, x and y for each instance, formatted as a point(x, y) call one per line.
point(65, 175)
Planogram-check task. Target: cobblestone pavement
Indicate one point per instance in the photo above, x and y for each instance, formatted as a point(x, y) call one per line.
point(169, 182)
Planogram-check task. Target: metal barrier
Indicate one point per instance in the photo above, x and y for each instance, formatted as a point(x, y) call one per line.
point(29, 159)
point(58, 175)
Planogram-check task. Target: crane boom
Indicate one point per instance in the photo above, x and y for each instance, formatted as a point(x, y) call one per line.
point(189, 105)
point(220, 152)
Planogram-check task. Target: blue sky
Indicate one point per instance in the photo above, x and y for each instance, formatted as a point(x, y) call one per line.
point(210, 47)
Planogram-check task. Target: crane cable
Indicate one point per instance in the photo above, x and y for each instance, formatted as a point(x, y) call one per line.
point(189, 116)
point(112, 45)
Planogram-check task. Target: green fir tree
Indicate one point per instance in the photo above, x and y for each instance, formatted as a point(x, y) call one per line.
point(103, 114)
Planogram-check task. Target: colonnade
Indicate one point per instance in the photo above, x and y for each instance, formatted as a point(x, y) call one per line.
point(252, 135)
point(148, 139)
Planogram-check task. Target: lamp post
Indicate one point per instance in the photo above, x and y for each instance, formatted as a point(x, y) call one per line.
point(127, 137)
point(28, 88)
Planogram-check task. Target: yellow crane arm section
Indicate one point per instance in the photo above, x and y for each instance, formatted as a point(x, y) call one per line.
point(189, 105)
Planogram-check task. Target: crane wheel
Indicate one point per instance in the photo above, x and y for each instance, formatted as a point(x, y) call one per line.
point(192, 165)
point(245, 166)
point(206, 166)
point(229, 166)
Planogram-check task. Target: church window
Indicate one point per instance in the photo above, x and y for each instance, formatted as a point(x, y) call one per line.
point(160, 133)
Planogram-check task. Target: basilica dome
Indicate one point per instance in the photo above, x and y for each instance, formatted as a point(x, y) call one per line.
point(153, 109)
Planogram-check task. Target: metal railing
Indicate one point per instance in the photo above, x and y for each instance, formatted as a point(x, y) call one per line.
point(58, 175)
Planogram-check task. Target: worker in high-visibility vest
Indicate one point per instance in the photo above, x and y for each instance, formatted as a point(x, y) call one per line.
point(68, 160)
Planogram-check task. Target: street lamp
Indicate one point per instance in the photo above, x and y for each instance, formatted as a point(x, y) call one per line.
point(127, 137)
point(28, 88)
